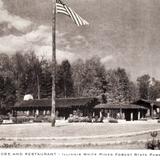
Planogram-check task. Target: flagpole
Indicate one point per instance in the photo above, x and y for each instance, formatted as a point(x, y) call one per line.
point(53, 116)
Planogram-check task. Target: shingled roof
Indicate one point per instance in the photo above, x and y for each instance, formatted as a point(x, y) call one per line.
point(147, 103)
point(118, 106)
point(60, 102)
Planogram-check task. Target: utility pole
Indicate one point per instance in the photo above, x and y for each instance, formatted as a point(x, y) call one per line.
point(53, 116)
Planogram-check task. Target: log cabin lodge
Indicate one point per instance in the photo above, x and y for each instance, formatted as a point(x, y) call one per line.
point(88, 107)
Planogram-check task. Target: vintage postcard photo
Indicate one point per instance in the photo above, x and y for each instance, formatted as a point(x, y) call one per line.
point(80, 74)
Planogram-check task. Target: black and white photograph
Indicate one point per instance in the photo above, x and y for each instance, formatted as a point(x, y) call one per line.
point(80, 74)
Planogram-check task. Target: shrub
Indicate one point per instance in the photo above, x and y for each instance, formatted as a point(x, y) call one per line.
point(22, 119)
point(38, 119)
point(158, 144)
point(4, 117)
point(151, 145)
point(154, 143)
point(46, 119)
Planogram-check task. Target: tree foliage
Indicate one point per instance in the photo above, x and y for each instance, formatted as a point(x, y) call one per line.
point(154, 89)
point(144, 85)
point(89, 77)
point(26, 73)
point(118, 86)
point(64, 82)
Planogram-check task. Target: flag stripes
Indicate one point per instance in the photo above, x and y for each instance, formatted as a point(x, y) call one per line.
point(60, 9)
point(64, 9)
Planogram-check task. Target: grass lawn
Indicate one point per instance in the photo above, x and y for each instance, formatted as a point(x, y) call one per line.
point(77, 135)
point(73, 129)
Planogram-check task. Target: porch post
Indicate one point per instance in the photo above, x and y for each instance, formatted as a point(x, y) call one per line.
point(120, 113)
point(27, 112)
point(152, 104)
point(139, 115)
point(131, 116)
point(108, 114)
point(100, 113)
point(123, 115)
point(159, 113)
point(37, 112)
point(93, 114)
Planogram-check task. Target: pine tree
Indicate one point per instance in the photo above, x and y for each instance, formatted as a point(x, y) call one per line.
point(144, 86)
point(94, 77)
point(64, 82)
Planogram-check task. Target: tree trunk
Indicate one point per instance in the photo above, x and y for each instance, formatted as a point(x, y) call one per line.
point(38, 88)
point(65, 90)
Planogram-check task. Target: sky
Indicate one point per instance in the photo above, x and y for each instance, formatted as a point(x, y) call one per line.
point(123, 33)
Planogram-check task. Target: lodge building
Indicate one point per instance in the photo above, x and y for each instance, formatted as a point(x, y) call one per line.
point(64, 107)
point(89, 107)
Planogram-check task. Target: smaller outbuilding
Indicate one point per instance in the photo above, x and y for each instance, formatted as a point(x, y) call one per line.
point(128, 112)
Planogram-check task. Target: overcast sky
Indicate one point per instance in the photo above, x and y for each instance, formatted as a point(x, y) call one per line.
point(123, 33)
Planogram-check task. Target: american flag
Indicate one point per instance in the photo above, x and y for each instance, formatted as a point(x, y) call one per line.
point(64, 9)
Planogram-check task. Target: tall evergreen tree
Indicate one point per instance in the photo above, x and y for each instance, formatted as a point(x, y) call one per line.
point(78, 75)
point(154, 89)
point(64, 82)
point(46, 81)
point(19, 64)
point(94, 80)
point(144, 86)
point(2, 94)
point(33, 72)
point(118, 85)
point(9, 93)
